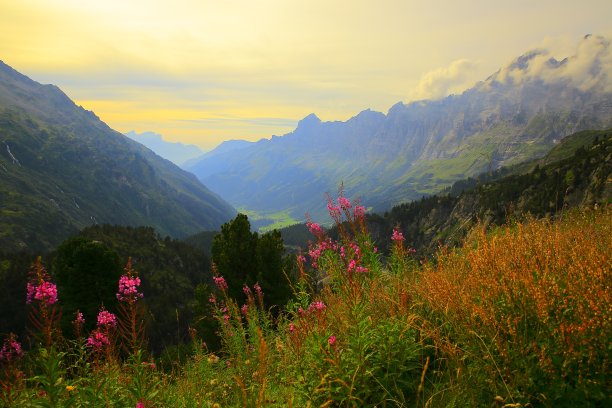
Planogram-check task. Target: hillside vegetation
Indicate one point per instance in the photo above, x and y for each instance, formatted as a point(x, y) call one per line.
point(62, 169)
point(516, 316)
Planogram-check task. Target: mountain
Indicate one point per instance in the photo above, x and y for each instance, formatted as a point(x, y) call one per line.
point(177, 153)
point(62, 169)
point(576, 173)
point(416, 149)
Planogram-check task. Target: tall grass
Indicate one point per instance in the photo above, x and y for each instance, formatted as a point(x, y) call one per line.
point(517, 316)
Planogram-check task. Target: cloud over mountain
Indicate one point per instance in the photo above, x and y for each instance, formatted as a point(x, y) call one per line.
point(588, 69)
point(441, 82)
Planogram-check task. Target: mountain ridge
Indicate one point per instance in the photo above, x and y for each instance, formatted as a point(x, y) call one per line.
point(63, 169)
point(418, 148)
point(178, 153)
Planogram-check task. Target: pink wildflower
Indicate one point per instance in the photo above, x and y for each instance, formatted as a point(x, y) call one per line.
point(106, 319)
point(97, 340)
point(11, 349)
point(314, 228)
point(318, 306)
point(79, 318)
point(291, 327)
point(46, 292)
point(359, 212)
point(31, 291)
point(397, 236)
point(331, 340)
point(344, 203)
point(245, 310)
point(149, 365)
point(258, 289)
point(361, 269)
point(128, 289)
point(220, 282)
point(334, 210)
point(140, 404)
point(246, 290)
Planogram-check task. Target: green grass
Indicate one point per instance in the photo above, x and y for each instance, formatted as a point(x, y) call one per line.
point(265, 222)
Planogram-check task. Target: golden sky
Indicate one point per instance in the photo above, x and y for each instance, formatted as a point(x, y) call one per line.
point(203, 71)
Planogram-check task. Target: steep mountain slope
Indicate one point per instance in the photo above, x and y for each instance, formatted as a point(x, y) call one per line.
point(518, 113)
point(576, 173)
point(62, 169)
point(177, 153)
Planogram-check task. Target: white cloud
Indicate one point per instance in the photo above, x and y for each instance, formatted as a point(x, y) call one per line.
point(589, 68)
point(443, 81)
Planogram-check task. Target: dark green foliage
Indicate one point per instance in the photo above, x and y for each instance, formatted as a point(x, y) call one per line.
point(205, 324)
point(202, 241)
point(270, 272)
point(86, 273)
point(169, 269)
point(234, 253)
point(13, 277)
point(243, 257)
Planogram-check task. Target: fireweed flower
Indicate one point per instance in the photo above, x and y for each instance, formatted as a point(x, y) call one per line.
point(128, 289)
point(397, 236)
point(79, 319)
point(344, 203)
point(359, 212)
point(331, 340)
point(318, 306)
point(258, 289)
point(97, 340)
point(106, 319)
point(291, 327)
point(46, 292)
point(11, 349)
point(40, 288)
point(244, 310)
point(78, 323)
point(31, 290)
point(334, 210)
point(314, 228)
point(220, 282)
point(246, 290)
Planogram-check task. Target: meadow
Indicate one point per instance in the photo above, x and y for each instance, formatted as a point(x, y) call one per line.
point(517, 316)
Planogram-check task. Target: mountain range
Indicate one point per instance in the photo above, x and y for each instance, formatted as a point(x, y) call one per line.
point(62, 169)
point(415, 149)
point(177, 153)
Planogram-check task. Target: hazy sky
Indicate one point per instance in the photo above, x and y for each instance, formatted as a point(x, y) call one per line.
point(203, 71)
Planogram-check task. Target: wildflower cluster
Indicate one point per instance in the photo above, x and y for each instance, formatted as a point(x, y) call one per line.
point(101, 336)
point(97, 340)
point(220, 282)
point(41, 293)
point(41, 289)
point(128, 289)
point(11, 349)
